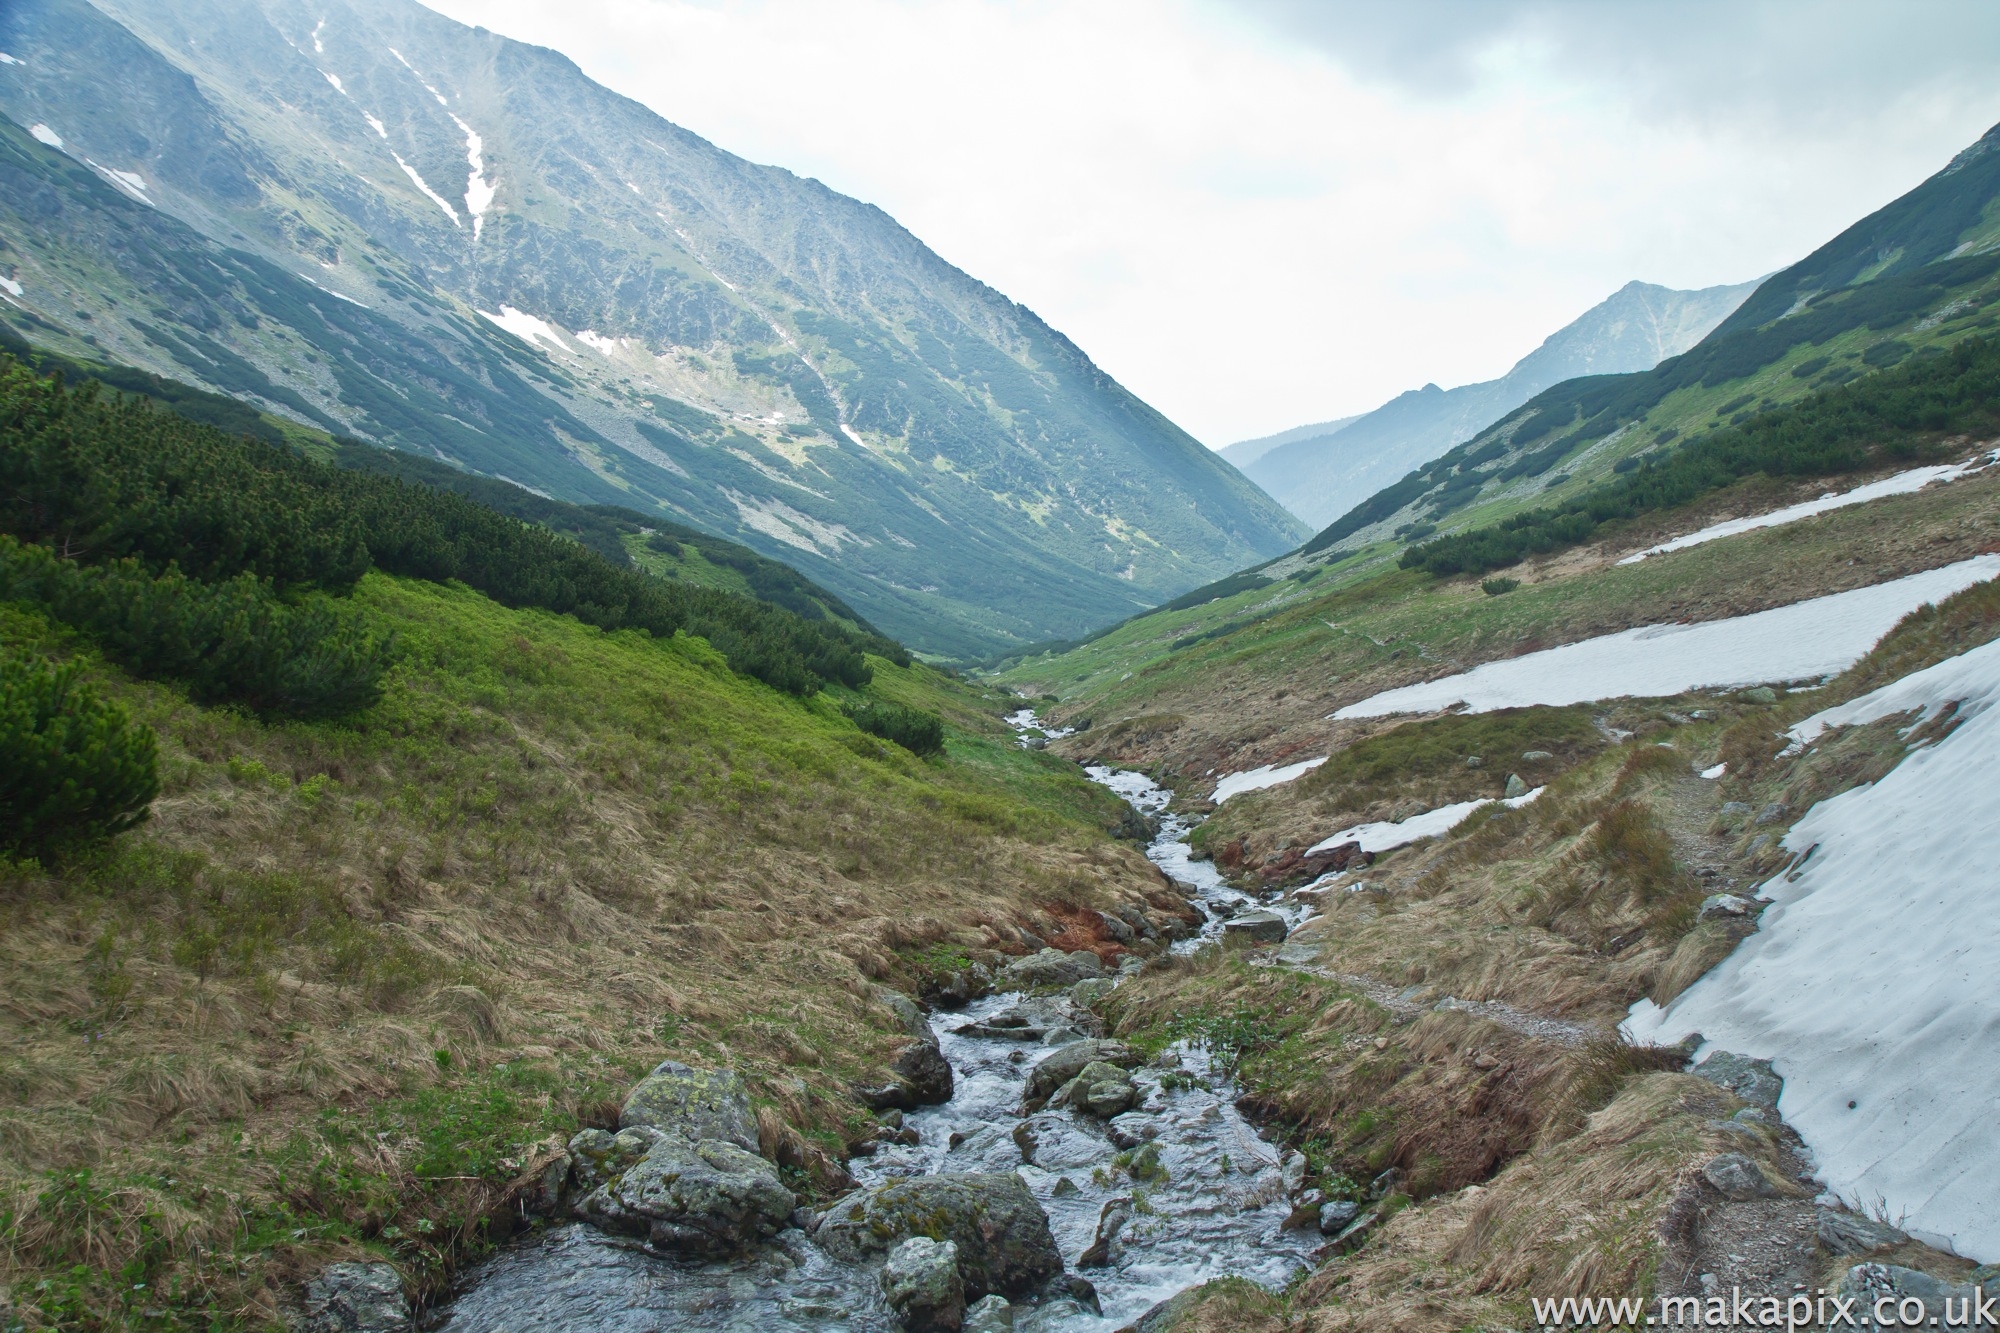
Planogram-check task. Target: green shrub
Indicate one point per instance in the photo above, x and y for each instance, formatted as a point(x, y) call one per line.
point(1497, 587)
point(912, 728)
point(235, 641)
point(73, 767)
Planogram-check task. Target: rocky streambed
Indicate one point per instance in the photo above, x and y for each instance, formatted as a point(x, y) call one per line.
point(1056, 1181)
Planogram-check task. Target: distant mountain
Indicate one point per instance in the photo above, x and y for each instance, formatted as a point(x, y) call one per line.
point(1320, 473)
point(1908, 280)
point(365, 217)
point(1245, 452)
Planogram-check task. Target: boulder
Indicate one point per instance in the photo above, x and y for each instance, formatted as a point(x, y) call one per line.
point(1726, 907)
point(1752, 1080)
point(1104, 1097)
point(919, 1075)
point(1737, 1177)
point(1255, 928)
point(1051, 968)
point(989, 1314)
point(1535, 756)
point(356, 1298)
point(1516, 788)
point(694, 1104)
point(1084, 994)
point(1337, 1216)
point(709, 1197)
point(597, 1155)
point(1111, 1219)
point(1067, 1062)
point(921, 1283)
point(1355, 1233)
point(1867, 1283)
point(1850, 1233)
point(1164, 1316)
point(1002, 1234)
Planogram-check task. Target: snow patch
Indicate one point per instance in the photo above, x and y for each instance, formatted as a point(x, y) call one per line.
point(852, 434)
point(1256, 779)
point(603, 346)
point(1903, 483)
point(381, 130)
point(420, 78)
point(6, 59)
point(1711, 774)
point(1869, 981)
point(44, 134)
point(479, 191)
point(1819, 637)
point(130, 182)
point(429, 193)
point(526, 327)
point(334, 79)
point(1382, 836)
point(9, 286)
point(318, 28)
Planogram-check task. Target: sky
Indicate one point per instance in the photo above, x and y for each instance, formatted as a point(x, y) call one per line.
point(1265, 213)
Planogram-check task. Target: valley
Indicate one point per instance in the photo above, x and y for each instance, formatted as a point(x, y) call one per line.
point(626, 747)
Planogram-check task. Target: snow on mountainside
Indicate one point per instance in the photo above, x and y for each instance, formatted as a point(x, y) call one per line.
point(1321, 475)
point(372, 219)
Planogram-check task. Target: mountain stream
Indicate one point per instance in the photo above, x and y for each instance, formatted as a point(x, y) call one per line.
point(1214, 1206)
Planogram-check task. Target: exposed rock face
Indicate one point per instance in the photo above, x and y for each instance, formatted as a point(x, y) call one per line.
point(1069, 1061)
point(1296, 864)
point(1752, 1080)
point(708, 1197)
point(695, 1104)
point(1867, 1283)
point(1050, 968)
point(356, 1298)
point(921, 1283)
point(1002, 1234)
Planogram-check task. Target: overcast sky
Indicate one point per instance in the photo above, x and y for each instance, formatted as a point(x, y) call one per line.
point(1263, 213)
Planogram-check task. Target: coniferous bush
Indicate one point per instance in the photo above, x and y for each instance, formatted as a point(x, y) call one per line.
point(918, 732)
point(72, 767)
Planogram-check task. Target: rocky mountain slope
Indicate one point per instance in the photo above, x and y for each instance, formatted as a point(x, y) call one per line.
point(368, 218)
point(1245, 452)
point(1319, 474)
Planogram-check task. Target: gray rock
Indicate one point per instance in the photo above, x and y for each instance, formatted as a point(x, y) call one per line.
point(1107, 1098)
point(921, 1283)
point(1752, 1080)
point(1060, 1067)
point(1257, 927)
point(1084, 994)
point(1061, 1036)
point(1050, 969)
point(1535, 756)
point(1867, 1283)
point(1132, 964)
point(1132, 1129)
point(1293, 1171)
point(1337, 1216)
point(1355, 1233)
point(1726, 907)
point(1850, 1233)
point(597, 1155)
point(989, 1314)
point(695, 1104)
point(1474, 761)
point(1774, 813)
point(1305, 1211)
point(1734, 809)
point(709, 1197)
point(1737, 1177)
point(1762, 694)
point(356, 1298)
point(1166, 1314)
point(1111, 1219)
point(1515, 787)
point(919, 1075)
point(1002, 1234)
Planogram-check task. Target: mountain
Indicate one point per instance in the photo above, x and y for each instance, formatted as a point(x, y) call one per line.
point(1906, 282)
point(370, 219)
point(1319, 473)
point(1245, 452)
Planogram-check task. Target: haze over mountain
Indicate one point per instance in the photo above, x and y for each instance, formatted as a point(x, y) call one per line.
point(1320, 473)
point(367, 217)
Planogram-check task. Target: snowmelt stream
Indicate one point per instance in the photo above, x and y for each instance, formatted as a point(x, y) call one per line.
point(1217, 1210)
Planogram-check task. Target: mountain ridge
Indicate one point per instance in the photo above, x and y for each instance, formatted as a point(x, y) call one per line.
point(612, 310)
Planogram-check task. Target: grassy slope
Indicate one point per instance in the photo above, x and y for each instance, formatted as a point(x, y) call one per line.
point(348, 976)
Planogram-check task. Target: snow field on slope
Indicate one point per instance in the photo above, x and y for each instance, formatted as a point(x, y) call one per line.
point(1820, 637)
point(1383, 836)
point(1257, 779)
point(1903, 483)
point(1869, 983)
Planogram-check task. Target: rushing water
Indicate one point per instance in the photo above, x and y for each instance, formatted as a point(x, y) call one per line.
point(1216, 1210)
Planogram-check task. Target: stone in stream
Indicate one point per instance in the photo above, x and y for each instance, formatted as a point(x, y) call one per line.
point(920, 1075)
point(1111, 1219)
point(1002, 1234)
point(989, 1314)
point(1067, 1062)
point(695, 1104)
point(355, 1298)
point(709, 1197)
point(1049, 969)
point(1337, 1216)
point(921, 1283)
point(1257, 927)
